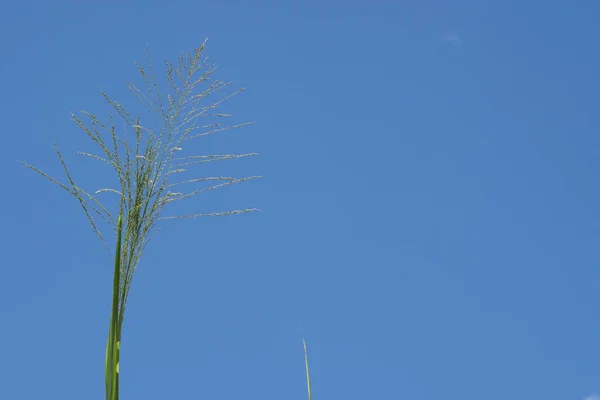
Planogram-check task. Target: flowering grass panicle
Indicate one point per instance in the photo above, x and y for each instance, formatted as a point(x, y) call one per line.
point(146, 162)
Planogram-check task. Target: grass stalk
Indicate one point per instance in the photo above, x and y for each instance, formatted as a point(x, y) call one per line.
point(111, 367)
point(307, 370)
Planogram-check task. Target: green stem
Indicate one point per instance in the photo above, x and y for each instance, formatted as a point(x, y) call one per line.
point(113, 347)
point(307, 370)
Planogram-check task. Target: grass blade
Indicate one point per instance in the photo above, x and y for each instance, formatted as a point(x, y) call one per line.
point(307, 370)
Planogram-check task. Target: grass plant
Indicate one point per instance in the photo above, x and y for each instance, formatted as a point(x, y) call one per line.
point(146, 160)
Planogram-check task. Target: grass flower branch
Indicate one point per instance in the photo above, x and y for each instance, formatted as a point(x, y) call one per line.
point(144, 161)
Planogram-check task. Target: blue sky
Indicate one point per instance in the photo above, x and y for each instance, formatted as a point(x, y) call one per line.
point(431, 222)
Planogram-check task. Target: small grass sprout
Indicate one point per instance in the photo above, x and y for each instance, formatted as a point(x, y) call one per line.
point(307, 370)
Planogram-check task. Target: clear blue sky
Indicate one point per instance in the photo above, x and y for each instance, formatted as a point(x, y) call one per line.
point(431, 203)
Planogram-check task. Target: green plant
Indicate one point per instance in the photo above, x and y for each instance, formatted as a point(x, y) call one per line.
point(145, 163)
point(307, 370)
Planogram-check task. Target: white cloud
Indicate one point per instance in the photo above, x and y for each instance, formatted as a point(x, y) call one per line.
point(592, 396)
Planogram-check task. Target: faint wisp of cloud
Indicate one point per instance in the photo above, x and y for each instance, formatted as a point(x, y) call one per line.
point(455, 40)
point(592, 396)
